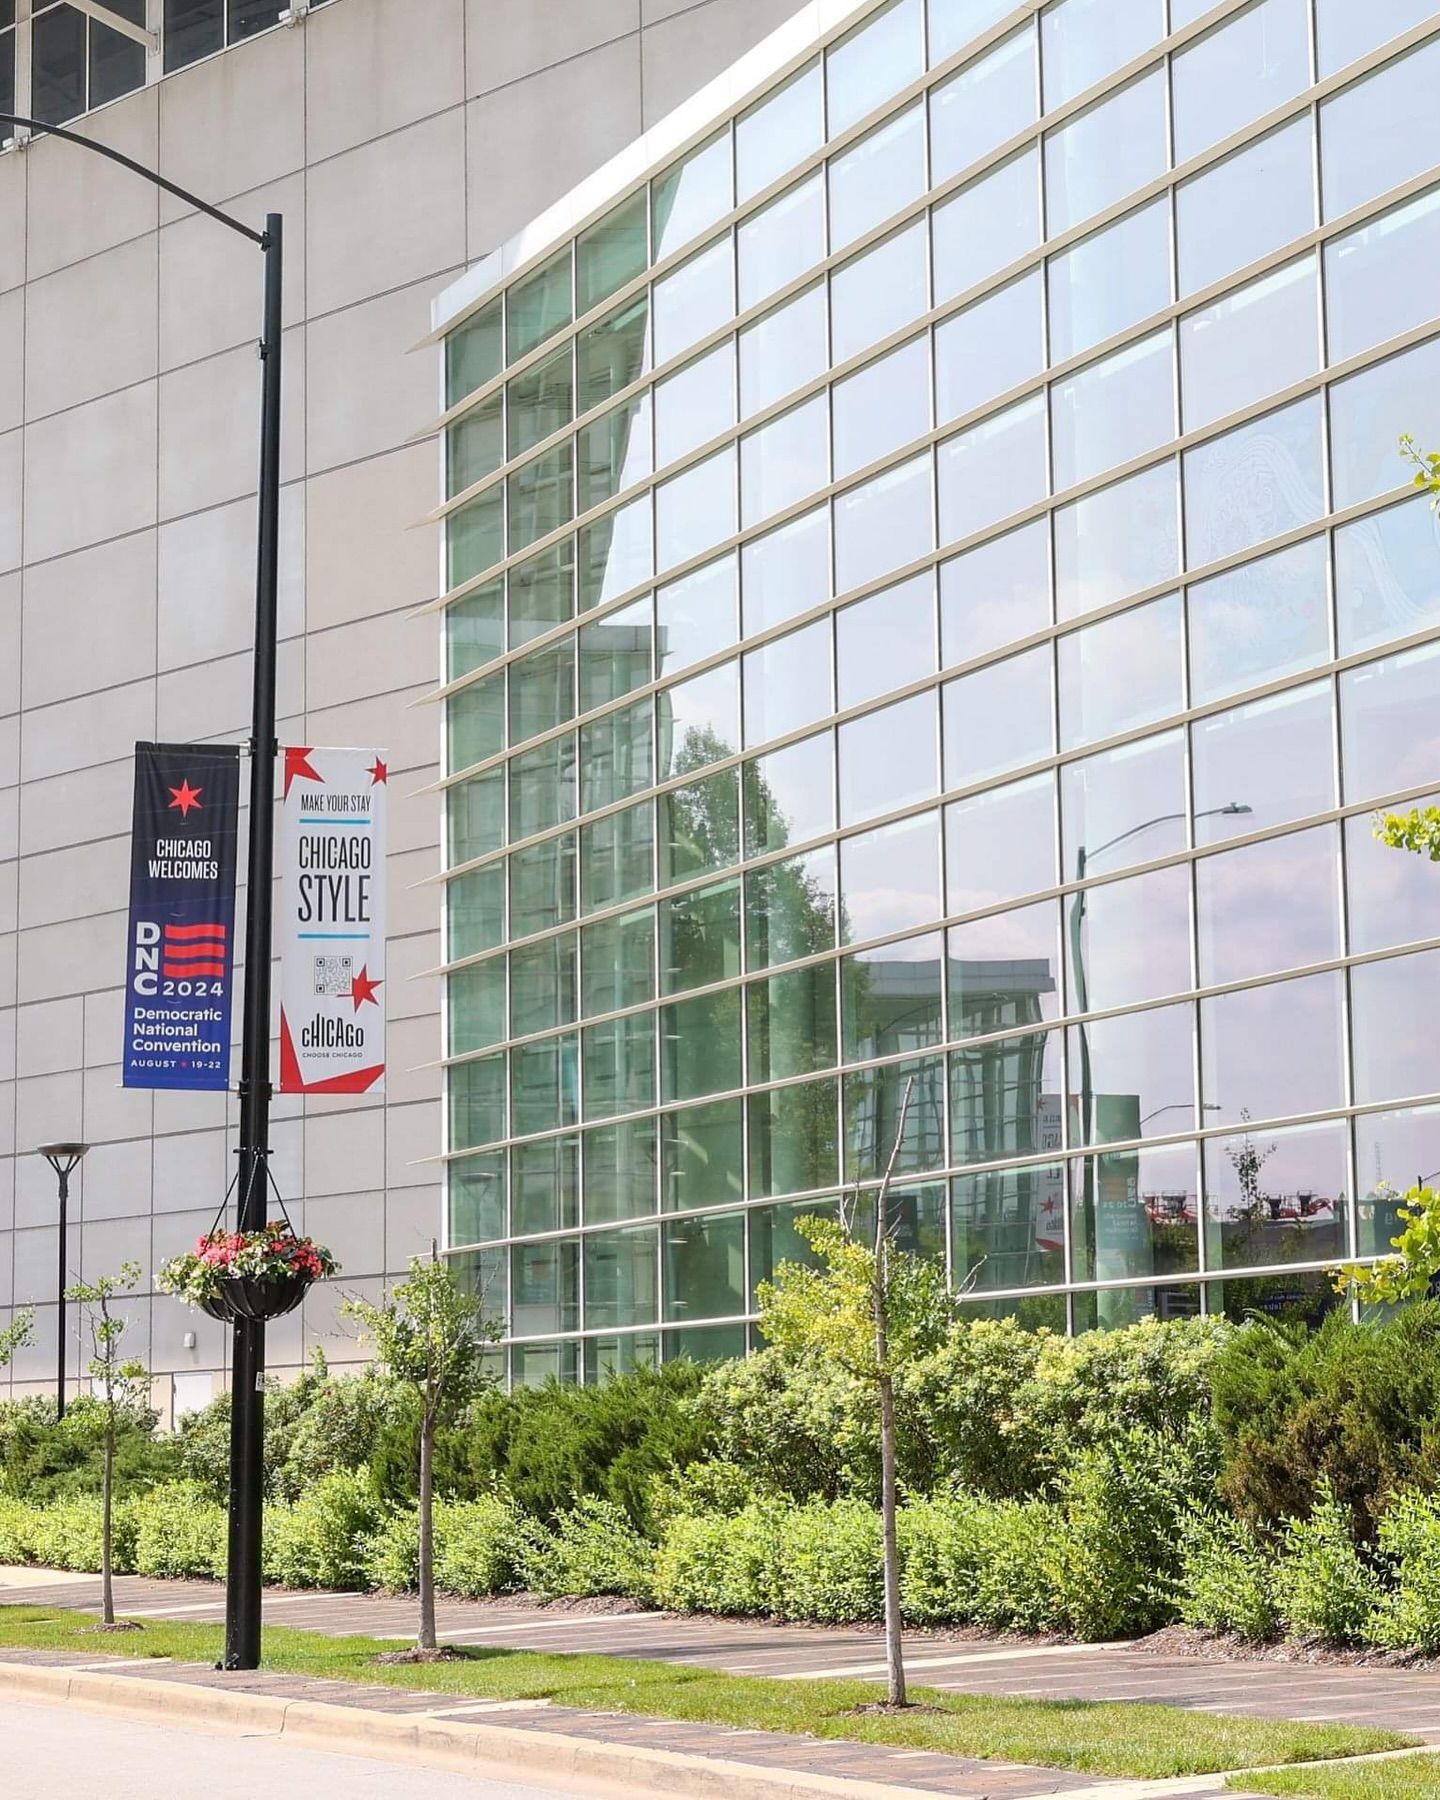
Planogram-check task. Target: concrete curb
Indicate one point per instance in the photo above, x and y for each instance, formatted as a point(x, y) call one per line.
point(477, 1749)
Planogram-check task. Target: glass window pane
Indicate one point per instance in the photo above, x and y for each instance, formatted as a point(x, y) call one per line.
point(615, 655)
point(1131, 799)
point(695, 510)
point(621, 1165)
point(612, 353)
point(616, 553)
point(982, 105)
point(475, 911)
point(699, 827)
point(891, 998)
point(540, 496)
point(995, 593)
point(695, 299)
point(775, 1238)
point(617, 962)
point(795, 1138)
point(885, 642)
point(783, 350)
point(540, 401)
point(881, 408)
point(475, 536)
point(1267, 907)
point(537, 307)
point(193, 28)
point(1389, 896)
point(1133, 1077)
point(477, 1102)
point(1346, 31)
point(700, 937)
point(1003, 971)
point(888, 759)
point(611, 252)
point(884, 523)
point(787, 683)
point(698, 721)
point(791, 1023)
point(475, 817)
point(1388, 722)
point(704, 1162)
point(1274, 1198)
point(998, 718)
point(780, 132)
point(544, 1085)
point(876, 293)
point(545, 1291)
point(1114, 410)
point(782, 241)
point(542, 690)
point(476, 1197)
point(992, 346)
point(1110, 280)
point(475, 722)
point(697, 615)
point(884, 55)
point(691, 195)
point(987, 225)
point(1239, 72)
point(785, 461)
point(617, 857)
point(542, 885)
point(1373, 135)
point(1378, 278)
point(1258, 622)
point(695, 404)
point(619, 1065)
point(700, 1044)
point(790, 795)
point(1106, 152)
point(1387, 575)
point(475, 1006)
point(992, 470)
point(616, 756)
point(704, 1264)
point(473, 353)
point(786, 571)
point(541, 592)
point(873, 1102)
point(474, 446)
point(1368, 415)
point(1274, 758)
point(890, 879)
point(543, 979)
point(1000, 844)
point(877, 176)
point(790, 909)
point(1128, 940)
point(1082, 41)
point(1136, 1212)
point(542, 787)
point(1394, 1006)
point(1254, 483)
point(1005, 1097)
point(1252, 343)
point(621, 1275)
point(1118, 540)
point(1008, 1226)
point(1247, 206)
point(1122, 672)
point(1241, 1076)
point(953, 23)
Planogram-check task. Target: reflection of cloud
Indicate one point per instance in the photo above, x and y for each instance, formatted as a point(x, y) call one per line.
point(875, 911)
point(1273, 906)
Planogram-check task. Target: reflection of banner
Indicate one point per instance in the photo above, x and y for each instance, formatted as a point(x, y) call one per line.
point(182, 916)
point(331, 929)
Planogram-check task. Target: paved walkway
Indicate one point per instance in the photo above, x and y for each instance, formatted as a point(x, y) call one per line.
point(1400, 1700)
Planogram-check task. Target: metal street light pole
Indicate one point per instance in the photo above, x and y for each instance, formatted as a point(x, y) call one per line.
point(247, 1419)
point(64, 1159)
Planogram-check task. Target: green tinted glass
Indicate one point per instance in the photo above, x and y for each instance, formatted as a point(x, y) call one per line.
point(474, 445)
point(791, 1022)
point(542, 885)
point(619, 1065)
point(540, 496)
point(475, 817)
point(538, 306)
point(473, 354)
point(539, 402)
point(542, 985)
point(475, 536)
point(700, 827)
point(544, 1090)
point(545, 1185)
point(795, 1139)
point(475, 1189)
point(611, 252)
point(704, 1266)
point(475, 911)
point(617, 958)
point(700, 1041)
point(542, 691)
point(475, 1006)
point(620, 1276)
point(703, 1155)
point(474, 630)
point(542, 787)
point(612, 353)
point(620, 1169)
point(700, 937)
point(542, 592)
point(477, 1102)
point(475, 721)
point(617, 857)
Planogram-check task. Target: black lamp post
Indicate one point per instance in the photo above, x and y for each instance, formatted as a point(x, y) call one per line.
point(247, 1419)
point(64, 1159)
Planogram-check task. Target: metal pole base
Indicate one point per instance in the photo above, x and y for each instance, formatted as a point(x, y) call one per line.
point(247, 1457)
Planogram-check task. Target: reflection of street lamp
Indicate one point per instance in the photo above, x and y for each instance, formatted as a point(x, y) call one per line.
point(64, 1159)
point(1182, 1106)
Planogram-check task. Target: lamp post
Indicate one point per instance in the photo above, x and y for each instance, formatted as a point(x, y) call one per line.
point(64, 1159)
point(247, 1418)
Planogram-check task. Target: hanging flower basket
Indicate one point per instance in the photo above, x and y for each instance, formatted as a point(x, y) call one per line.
point(247, 1274)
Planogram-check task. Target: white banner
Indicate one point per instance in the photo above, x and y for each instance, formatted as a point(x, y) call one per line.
point(331, 929)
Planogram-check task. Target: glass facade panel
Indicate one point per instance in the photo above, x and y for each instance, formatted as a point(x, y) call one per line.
point(708, 917)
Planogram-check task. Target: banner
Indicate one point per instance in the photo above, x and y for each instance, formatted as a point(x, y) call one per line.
point(182, 916)
point(331, 929)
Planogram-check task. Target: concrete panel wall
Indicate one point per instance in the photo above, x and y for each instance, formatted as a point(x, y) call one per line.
point(402, 140)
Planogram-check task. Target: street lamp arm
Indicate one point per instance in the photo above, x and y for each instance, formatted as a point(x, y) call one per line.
point(137, 168)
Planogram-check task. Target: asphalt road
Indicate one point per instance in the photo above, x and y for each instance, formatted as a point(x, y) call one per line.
point(63, 1753)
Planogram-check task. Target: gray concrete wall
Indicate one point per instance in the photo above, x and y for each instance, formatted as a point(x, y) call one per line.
point(402, 139)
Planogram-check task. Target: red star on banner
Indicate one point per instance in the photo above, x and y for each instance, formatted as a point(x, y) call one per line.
point(297, 763)
point(362, 988)
point(187, 798)
point(378, 772)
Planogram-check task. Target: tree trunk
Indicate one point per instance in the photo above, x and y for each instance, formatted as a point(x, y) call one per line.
point(107, 1496)
point(426, 1640)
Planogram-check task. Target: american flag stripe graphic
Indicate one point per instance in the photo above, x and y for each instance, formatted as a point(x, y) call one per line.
point(192, 951)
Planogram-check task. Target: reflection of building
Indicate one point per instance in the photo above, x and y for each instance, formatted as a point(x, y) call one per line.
point(970, 773)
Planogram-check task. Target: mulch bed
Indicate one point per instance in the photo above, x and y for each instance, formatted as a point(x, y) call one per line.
point(1225, 1646)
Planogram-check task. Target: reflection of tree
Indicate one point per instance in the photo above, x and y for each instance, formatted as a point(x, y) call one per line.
point(1247, 1161)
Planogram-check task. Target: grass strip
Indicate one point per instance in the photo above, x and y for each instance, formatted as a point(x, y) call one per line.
point(1406, 1778)
point(1098, 1738)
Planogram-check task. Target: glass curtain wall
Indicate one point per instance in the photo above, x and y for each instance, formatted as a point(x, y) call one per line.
point(934, 606)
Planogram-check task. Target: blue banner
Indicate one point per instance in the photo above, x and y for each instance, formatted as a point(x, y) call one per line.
point(181, 946)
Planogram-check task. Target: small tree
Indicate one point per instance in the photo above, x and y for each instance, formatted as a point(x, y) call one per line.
point(1413, 1272)
point(873, 1310)
point(15, 1335)
point(121, 1385)
point(430, 1335)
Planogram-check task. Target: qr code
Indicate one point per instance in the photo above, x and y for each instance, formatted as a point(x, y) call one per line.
point(334, 975)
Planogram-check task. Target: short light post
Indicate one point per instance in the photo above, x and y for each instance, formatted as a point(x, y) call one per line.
point(64, 1159)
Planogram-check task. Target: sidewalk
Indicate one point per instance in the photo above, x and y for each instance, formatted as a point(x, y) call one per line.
point(585, 1744)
